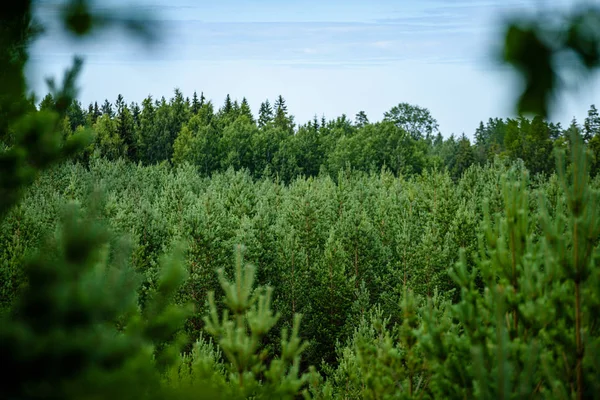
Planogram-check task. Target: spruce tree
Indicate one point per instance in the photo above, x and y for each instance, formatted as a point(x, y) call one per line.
point(591, 125)
point(47, 103)
point(76, 115)
point(135, 113)
point(90, 114)
point(265, 114)
point(144, 134)
point(107, 109)
point(282, 119)
point(126, 128)
point(97, 112)
point(227, 106)
point(195, 104)
point(235, 109)
point(246, 111)
point(209, 151)
point(120, 103)
point(162, 134)
point(361, 119)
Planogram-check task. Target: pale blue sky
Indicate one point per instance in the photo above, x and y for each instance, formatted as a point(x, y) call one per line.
point(324, 56)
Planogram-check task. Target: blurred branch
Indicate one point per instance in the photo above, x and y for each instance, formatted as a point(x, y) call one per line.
point(534, 46)
point(81, 18)
point(33, 139)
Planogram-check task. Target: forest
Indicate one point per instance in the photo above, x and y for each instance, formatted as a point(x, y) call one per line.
point(406, 141)
point(179, 249)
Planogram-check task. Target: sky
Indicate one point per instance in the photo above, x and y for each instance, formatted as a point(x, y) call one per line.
point(325, 57)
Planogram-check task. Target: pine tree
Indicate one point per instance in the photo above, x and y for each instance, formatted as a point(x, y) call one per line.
point(331, 294)
point(75, 330)
point(240, 331)
point(525, 277)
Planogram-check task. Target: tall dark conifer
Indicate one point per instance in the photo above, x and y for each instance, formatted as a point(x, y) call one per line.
point(265, 114)
point(228, 106)
point(591, 125)
point(195, 104)
point(282, 120)
point(76, 115)
point(245, 110)
point(126, 128)
point(107, 109)
point(361, 119)
point(47, 102)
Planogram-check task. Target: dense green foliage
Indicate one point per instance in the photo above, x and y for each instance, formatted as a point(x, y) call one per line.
point(407, 141)
point(333, 250)
point(238, 253)
point(379, 230)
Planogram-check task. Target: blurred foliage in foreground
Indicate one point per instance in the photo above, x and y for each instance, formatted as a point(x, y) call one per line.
point(83, 324)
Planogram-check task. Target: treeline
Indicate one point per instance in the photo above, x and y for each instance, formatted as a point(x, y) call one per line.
point(407, 141)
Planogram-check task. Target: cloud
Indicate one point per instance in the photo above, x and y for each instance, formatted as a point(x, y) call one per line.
point(426, 30)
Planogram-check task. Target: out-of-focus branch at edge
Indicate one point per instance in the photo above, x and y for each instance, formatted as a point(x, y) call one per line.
point(535, 47)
